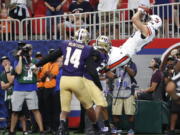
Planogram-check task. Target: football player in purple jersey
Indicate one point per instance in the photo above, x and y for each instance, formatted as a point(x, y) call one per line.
point(103, 46)
point(78, 57)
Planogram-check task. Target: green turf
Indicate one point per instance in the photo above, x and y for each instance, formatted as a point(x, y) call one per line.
point(84, 134)
point(72, 133)
point(20, 133)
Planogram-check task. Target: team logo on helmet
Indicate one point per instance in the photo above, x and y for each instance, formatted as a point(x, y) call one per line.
point(155, 21)
point(103, 42)
point(82, 36)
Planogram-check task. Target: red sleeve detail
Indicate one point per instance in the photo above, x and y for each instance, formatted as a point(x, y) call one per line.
point(149, 31)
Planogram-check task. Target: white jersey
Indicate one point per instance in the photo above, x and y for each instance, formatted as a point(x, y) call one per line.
point(135, 43)
point(120, 56)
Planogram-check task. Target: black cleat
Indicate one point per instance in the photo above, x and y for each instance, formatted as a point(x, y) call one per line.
point(106, 130)
point(96, 129)
point(62, 130)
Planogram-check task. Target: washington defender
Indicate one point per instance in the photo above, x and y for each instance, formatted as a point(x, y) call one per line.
point(77, 58)
point(102, 46)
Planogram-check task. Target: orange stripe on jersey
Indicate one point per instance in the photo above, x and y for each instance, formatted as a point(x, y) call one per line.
point(118, 62)
point(149, 31)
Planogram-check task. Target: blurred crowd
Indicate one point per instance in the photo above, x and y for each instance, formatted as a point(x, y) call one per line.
point(21, 9)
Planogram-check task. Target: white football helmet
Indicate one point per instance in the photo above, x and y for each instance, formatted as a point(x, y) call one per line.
point(155, 21)
point(82, 36)
point(103, 42)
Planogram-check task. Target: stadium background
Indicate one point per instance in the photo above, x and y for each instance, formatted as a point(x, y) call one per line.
point(156, 48)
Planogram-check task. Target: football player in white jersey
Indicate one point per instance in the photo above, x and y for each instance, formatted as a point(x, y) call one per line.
point(145, 33)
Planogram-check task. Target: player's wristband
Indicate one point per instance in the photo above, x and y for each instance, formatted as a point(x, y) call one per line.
point(104, 70)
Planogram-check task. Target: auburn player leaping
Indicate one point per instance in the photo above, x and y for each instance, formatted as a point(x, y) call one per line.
point(145, 33)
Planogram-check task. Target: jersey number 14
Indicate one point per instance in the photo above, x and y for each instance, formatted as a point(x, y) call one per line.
point(74, 58)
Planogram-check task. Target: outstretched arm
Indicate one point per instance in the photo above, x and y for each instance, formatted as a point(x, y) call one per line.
point(50, 58)
point(136, 19)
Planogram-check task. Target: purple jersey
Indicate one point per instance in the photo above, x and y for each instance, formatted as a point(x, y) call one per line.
point(101, 62)
point(75, 55)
